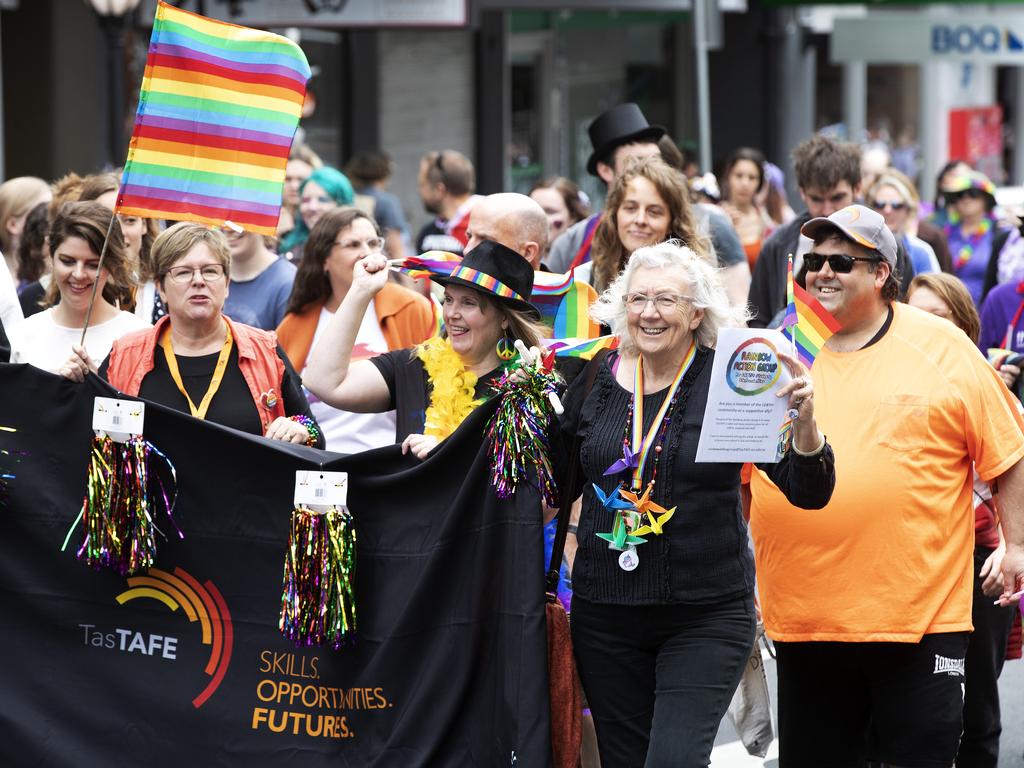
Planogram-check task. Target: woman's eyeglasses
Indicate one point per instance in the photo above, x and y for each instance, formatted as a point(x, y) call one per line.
point(374, 244)
point(893, 205)
point(839, 263)
point(663, 302)
point(211, 273)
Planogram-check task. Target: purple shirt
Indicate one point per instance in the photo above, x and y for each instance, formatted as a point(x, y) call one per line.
point(973, 272)
point(998, 312)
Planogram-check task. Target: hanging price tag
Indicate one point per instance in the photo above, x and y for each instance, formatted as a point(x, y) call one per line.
point(328, 489)
point(118, 419)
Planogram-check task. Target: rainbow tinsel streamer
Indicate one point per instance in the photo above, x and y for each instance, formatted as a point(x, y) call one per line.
point(518, 433)
point(318, 601)
point(118, 511)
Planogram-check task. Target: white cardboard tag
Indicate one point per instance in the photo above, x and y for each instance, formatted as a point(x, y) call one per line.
point(118, 419)
point(317, 488)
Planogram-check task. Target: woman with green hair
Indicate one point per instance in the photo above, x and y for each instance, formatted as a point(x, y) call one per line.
point(326, 188)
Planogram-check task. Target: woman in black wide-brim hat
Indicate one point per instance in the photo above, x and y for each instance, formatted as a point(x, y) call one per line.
point(434, 385)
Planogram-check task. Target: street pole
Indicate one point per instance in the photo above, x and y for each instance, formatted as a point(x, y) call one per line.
point(700, 45)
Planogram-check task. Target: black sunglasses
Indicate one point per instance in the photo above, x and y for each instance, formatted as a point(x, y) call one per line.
point(971, 194)
point(881, 205)
point(839, 263)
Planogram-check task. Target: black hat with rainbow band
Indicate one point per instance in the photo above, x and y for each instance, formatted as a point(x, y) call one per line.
point(497, 271)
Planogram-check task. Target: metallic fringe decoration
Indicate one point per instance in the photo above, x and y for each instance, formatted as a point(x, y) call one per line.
point(318, 600)
point(117, 511)
point(518, 433)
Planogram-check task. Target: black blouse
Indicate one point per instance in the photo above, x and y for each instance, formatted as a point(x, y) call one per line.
point(409, 387)
point(703, 555)
point(233, 405)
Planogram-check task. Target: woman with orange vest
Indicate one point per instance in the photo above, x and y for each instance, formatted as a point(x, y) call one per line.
point(195, 359)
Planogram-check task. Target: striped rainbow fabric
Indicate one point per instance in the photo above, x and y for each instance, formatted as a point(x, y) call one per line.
point(564, 305)
point(582, 348)
point(218, 109)
point(807, 324)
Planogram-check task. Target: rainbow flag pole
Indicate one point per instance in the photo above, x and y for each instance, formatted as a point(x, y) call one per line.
point(218, 109)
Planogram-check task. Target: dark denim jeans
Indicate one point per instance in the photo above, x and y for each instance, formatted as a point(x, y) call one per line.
point(659, 678)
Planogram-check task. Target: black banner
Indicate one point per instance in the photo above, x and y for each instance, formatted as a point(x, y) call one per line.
point(185, 665)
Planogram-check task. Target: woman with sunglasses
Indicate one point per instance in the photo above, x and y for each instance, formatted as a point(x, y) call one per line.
point(396, 318)
point(894, 196)
point(196, 359)
point(984, 254)
point(663, 579)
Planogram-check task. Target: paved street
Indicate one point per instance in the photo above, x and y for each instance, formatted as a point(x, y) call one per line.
point(729, 752)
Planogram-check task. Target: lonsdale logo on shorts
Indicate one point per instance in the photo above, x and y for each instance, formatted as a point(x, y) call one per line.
point(201, 603)
point(947, 666)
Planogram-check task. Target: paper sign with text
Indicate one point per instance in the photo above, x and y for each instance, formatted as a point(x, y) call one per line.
point(743, 416)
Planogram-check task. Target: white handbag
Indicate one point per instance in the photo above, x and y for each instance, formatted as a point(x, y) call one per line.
point(750, 709)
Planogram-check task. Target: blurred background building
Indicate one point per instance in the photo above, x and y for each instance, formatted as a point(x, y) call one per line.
point(514, 83)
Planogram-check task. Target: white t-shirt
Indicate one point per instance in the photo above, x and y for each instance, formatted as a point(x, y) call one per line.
point(10, 308)
point(40, 341)
point(344, 431)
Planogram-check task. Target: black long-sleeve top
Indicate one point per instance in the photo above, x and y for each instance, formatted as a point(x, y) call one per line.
point(702, 556)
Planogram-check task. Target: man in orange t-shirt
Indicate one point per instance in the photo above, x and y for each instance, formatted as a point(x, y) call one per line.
point(869, 599)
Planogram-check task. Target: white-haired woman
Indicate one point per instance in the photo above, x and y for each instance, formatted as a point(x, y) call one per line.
point(662, 631)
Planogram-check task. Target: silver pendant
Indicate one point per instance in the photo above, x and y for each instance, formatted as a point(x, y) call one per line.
point(629, 560)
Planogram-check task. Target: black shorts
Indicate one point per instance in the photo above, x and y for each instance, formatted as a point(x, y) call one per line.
point(841, 704)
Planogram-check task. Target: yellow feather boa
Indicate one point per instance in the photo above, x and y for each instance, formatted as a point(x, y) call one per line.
point(451, 396)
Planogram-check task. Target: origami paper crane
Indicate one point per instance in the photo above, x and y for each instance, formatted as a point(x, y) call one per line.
point(629, 460)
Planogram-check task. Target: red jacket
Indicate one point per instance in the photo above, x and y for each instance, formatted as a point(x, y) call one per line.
point(131, 358)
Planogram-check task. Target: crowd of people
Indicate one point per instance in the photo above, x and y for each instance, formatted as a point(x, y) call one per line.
point(888, 557)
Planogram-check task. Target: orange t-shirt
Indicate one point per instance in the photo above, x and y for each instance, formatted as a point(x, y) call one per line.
point(890, 557)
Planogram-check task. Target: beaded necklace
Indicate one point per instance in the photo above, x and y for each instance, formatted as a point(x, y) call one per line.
point(636, 515)
point(974, 237)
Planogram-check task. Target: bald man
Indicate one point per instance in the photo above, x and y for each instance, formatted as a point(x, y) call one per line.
point(516, 221)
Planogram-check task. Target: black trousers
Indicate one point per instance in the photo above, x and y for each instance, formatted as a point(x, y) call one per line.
point(844, 704)
point(986, 651)
point(659, 678)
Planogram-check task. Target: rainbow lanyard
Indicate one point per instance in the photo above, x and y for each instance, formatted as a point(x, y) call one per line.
point(642, 445)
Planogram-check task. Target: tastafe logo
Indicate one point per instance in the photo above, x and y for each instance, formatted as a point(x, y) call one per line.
point(200, 602)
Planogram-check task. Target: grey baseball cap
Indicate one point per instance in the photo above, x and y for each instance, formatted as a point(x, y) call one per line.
point(859, 224)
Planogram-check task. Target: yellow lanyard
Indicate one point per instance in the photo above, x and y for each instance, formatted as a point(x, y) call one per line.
point(218, 372)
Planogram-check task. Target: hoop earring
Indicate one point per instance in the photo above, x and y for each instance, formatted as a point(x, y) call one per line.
point(505, 348)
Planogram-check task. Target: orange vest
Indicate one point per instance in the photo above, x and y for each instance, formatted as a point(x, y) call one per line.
point(405, 317)
point(131, 358)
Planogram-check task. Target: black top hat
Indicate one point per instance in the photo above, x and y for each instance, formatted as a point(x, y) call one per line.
point(624, 124)
point(499, 272)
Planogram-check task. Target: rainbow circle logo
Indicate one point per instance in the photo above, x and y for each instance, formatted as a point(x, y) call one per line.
point(200, 602)
point(754, 367)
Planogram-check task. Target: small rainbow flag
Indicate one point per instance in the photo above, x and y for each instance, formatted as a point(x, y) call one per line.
point(807, 324)
point(218, 109)
point(582, 348)
point(429, 263)
point(999, 357)
point(564, 305)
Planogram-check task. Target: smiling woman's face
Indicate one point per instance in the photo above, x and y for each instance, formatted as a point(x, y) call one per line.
point(643, 217)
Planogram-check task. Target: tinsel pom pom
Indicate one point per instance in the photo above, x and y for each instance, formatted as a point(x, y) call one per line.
point(119, 505)
point(519, 433)
point(318, 601)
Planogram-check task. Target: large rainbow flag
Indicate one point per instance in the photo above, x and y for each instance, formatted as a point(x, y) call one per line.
point(217, 112)
point(807, 324)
